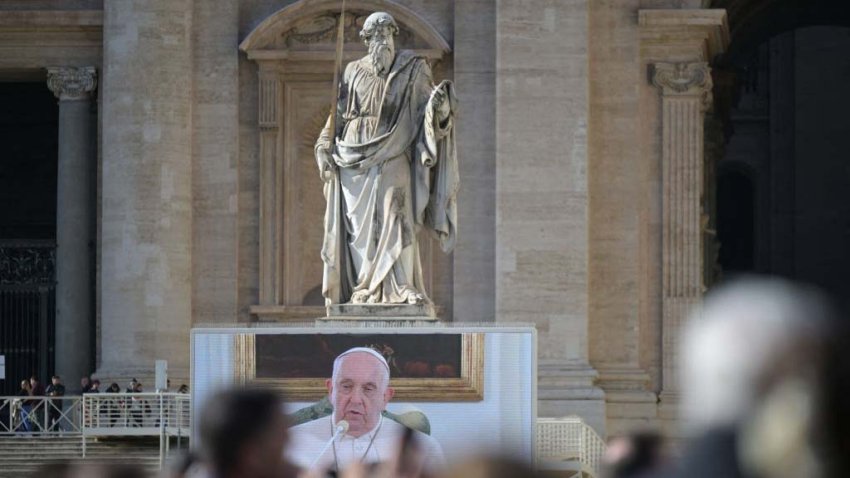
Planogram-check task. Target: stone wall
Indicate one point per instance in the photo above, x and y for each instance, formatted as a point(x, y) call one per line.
point(215, 159)
point(475, 76)
point(623, 343)
point(541, 193)
point(146, 224)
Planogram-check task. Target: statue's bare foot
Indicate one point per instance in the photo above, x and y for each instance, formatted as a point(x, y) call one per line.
point(415, 298)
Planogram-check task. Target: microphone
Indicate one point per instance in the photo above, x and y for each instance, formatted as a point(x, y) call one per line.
point(340, 429)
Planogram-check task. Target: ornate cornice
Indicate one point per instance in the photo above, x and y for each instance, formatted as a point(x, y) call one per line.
point(72, 83)
point(684, 79)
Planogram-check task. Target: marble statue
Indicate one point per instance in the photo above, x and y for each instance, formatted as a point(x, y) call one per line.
point(389, 169)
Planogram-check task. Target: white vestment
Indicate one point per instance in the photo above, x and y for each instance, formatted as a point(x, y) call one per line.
point(307, 440)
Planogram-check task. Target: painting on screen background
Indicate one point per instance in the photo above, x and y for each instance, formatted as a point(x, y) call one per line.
point(423, 367)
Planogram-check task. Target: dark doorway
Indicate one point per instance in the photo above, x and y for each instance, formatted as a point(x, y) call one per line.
point(28, 168)
point(788, 125)
point(735, 222)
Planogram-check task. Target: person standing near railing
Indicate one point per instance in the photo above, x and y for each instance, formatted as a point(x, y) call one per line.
point(54, 407)
point(25, 406)
point(85, 385)
point(98, 411)
point(113, 406)
point(36, 404)
point(139, 407)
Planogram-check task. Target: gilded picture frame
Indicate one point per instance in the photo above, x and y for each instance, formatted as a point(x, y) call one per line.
point(459, 379)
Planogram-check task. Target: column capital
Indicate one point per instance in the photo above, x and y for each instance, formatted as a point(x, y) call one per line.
point(71, 83)
point(684, 79)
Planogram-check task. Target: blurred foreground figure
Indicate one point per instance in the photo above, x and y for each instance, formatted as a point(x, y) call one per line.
point(764, 371)
point(67, 470)
point(242, 433)
point(632, 456)
point(492, 467)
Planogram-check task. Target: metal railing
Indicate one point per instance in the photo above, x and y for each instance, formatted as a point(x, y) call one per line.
point(568, 444)
point(39, 415)
point(163, 415)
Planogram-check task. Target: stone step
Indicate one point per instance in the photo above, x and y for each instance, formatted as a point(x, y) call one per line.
point(21, 456)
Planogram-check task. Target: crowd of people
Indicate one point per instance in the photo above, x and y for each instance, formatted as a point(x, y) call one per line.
point(41, 408)
point(764, 374)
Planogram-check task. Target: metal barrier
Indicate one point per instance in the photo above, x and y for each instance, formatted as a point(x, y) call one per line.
point(568, 444)
point(40, 415)
point(163, 415)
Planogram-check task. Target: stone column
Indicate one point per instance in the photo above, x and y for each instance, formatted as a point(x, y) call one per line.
point(75, 209)
point(475, 75)
point(685, 96)
point(676, 48)
point(146, 224)
point(541, 195)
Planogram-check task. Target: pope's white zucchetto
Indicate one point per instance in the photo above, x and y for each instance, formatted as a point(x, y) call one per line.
point(366, 350)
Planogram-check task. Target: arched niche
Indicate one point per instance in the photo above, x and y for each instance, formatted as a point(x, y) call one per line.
point(294, 49)
point(307, 30)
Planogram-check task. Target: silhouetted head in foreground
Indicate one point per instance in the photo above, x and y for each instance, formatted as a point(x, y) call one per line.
point(243, 433)
point(633, 455)
point(489, 467)
point(764, 368)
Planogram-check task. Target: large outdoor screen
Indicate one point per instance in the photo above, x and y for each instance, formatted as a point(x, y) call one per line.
point(471, 390)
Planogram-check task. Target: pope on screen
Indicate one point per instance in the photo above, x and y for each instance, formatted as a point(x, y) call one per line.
point(356, 431)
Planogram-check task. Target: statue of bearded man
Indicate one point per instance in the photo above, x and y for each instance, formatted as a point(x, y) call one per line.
point(389, 169)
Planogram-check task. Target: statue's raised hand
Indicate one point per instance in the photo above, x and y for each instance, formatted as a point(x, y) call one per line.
point(443, 105)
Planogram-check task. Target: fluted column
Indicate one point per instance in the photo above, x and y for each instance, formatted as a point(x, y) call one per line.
point(75, 209)
point(685, 96)
point(271, 265)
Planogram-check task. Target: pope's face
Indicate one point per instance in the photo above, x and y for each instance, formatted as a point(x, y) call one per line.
point(358, 392)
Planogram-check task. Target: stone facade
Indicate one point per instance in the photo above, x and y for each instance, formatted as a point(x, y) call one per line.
point(573, 116)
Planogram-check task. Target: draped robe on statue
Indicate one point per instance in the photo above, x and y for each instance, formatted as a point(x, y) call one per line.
point(395, 170)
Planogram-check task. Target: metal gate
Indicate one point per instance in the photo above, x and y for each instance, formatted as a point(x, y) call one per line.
point(27, 311)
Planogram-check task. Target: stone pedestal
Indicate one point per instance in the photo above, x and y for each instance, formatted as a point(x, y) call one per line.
point(379, 315)
point(382, 312)
point(75, 210)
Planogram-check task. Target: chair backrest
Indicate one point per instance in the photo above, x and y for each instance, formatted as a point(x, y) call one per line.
point(559, 438)
point(413, 419)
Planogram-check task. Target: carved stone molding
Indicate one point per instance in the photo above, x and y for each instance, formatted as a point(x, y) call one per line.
point(22, 264)
point(269, 89)
point(685, 79)
point(323, 29)
point(72, 83)
point(304, 24)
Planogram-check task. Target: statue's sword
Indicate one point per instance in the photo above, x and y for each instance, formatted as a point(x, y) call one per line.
point(340, 42)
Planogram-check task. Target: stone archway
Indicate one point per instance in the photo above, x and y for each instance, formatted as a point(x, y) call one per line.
point(784, 118)
point(294, 49)
point(752, 22)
